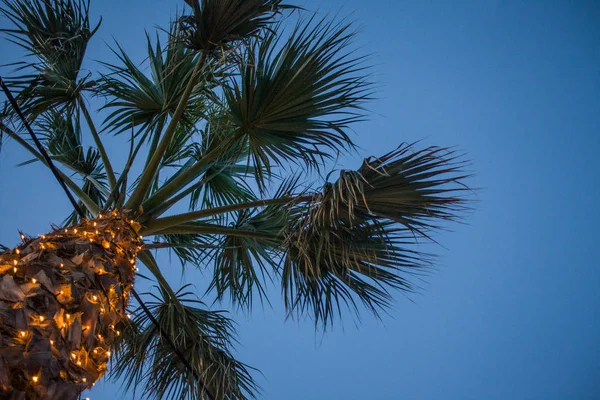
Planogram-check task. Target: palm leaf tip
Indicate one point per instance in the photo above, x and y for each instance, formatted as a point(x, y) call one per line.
point(204, 337)
point(216, 24)
point(356, 241)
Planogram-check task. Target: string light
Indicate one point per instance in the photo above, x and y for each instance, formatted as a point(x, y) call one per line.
point(118, 252)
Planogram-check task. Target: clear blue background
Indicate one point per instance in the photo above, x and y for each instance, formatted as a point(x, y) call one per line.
point(512, 311)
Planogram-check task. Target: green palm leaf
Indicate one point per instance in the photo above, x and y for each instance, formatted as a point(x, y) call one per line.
point(295, 100)
point(356, 239)
point(56, 33)
point(243, 264)
point(205, 337)
point(217, 24)
point(62, 138)
point(136, 99)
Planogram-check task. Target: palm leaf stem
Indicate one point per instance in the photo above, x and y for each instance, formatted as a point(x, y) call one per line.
point(162, 224)
point(112, 181)
point(166, 205)
point(117, 196)
point(208, 229)
point(146, 257)
point(153, 165)
point(163, 194)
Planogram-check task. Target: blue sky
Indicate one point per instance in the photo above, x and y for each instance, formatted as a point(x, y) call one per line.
point(512, 309)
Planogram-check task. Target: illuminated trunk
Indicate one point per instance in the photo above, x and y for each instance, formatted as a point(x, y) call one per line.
point(63, 299)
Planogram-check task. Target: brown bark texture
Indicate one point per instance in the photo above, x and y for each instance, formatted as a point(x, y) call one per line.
point(63, 301)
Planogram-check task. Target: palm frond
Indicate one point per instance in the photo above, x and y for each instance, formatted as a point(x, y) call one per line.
point(56, 33)
point(204, 337)
point(225, 180)
point(61, 136)
point(191, 249)
point(295, 100)
point(244, 263)
point(138, 99)
point(356, 240)
point(217, 24)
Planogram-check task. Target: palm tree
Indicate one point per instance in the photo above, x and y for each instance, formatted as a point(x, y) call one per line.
point(235, 111)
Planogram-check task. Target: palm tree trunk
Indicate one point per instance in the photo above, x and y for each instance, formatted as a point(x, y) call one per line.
point(63, 300)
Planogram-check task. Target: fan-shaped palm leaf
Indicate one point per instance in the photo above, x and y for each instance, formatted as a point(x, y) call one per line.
point(355, 238)
point(56, 33)
point(295, 100)
point(141, 100)
point(217, 23)
point(204, 337)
